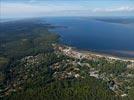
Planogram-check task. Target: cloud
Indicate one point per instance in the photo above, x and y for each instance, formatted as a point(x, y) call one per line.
point(19, 9)
point(51, 9)
point(115, 9)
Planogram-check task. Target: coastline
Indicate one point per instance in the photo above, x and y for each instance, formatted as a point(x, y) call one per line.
point(113, 56)
point(105, 55)
point(70, 49)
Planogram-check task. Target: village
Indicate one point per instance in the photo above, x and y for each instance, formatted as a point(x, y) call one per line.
point(70, 51)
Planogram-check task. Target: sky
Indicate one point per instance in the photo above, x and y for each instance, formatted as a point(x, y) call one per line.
point(42, 8)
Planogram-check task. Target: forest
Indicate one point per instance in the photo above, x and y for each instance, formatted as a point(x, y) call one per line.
point(27, 58)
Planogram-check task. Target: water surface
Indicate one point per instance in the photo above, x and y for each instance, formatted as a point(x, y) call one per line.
point(91, 34)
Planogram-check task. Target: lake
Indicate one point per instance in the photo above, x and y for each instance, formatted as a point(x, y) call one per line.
point(91, 34)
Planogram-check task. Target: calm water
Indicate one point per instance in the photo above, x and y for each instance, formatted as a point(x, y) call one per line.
point(90, 34)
